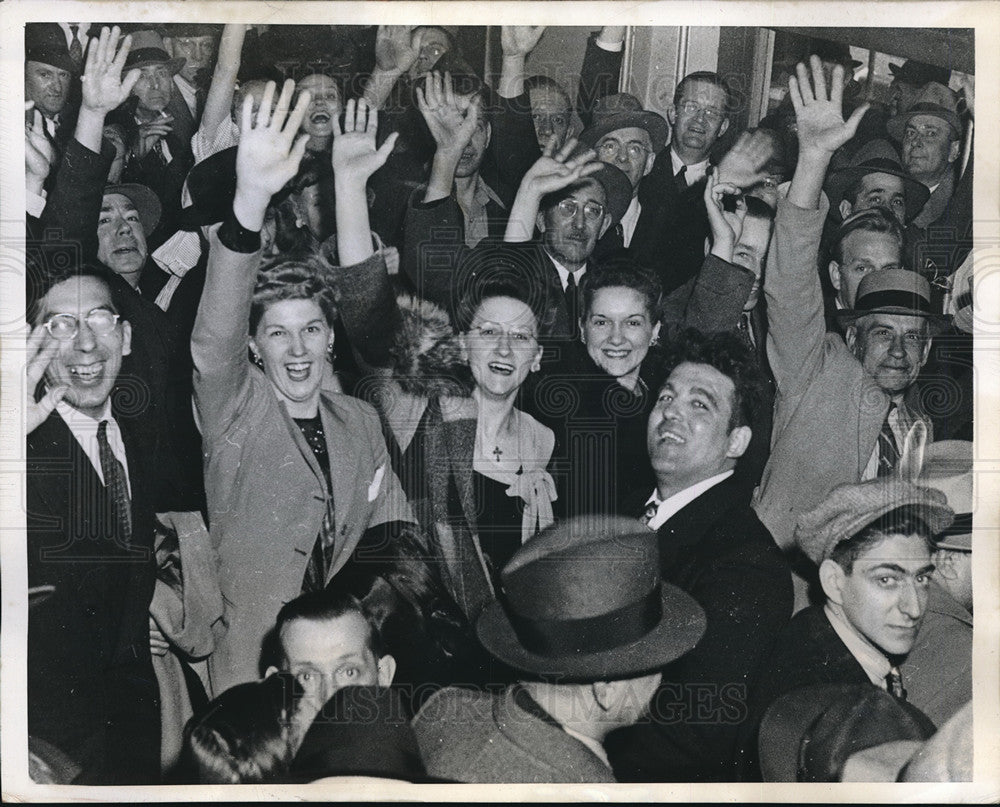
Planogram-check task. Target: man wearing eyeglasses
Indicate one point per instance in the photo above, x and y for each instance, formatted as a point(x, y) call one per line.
point(92, 692)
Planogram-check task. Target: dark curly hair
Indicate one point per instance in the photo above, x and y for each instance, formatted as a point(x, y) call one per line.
point(728, 354)
point(622, 273)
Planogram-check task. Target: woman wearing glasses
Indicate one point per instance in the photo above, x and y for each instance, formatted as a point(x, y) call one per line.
point(474, 465)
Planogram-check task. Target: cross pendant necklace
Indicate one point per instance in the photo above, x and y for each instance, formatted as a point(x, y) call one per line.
point(497, 453)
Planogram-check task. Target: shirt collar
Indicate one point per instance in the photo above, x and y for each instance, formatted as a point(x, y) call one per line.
point(695, 170)
point(874, 663)
point(74, 416)
point(564, 273)
point(672, 505)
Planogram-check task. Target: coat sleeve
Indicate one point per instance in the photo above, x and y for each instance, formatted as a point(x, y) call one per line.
point(796, 328)
point(220, 337)
point(599, 76)
point(433, 244)
point(368, 309)
point(713, 300)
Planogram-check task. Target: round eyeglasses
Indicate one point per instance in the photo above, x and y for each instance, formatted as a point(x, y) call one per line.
point(692, 108)
point(610, 149)
point(592, 211)
point(64, 327)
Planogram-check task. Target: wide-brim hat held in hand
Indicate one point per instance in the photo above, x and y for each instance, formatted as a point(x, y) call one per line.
point(585, 602)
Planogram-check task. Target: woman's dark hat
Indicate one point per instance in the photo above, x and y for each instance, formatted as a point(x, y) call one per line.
point(877, 156)
point(585, 602)
point(893, 291)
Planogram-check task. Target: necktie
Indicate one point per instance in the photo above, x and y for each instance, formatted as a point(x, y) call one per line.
point(571, 305)
point(680, 180)
point(75, 46)
point(114, 481)
point(650, 513)
point(888, 450)
point(894, 684)
point(322, 552)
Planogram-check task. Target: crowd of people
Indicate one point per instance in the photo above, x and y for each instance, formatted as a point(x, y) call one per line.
point(383, 421)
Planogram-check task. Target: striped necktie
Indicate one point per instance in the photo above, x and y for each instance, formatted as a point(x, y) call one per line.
point(888, 449)
point(114, 481)
point(894, 684)
point(75, 45)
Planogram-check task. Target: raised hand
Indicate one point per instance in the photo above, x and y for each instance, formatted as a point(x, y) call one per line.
point(819, 113)
point(726, 226)
point(519, 40)
point(269, 152)
point(553, 172)
point(743, 165)
point(42, 348)
point(355, 157)
point(38, 151)
point(396, 48)
point(102, 85)
point(452, 119)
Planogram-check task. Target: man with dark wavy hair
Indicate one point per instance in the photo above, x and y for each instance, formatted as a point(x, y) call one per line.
point(713, 547)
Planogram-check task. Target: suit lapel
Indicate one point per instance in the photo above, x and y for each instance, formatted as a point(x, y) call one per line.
point(681, 535)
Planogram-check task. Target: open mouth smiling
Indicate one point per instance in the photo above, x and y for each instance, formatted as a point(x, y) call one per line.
point(299, 371)
point(501, 368)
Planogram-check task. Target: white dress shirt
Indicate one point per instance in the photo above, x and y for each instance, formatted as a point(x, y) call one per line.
point(564, 273)
point(876, 665)
point(188, 93)
point(84, 429)
point(592, 744)
point(669, 507)
point(694, 172)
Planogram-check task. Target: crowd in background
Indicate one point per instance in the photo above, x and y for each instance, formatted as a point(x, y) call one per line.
point(387, 421)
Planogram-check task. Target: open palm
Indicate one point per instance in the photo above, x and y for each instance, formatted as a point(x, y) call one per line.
point(819, 114)
point(354, 152)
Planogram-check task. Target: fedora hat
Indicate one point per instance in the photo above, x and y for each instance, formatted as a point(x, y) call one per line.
point(934, 99)
point(147, 49)
point(808, 734)
point(948, 469)
point(919, 73)
point(585, 602)
point(893, 291)
point(47, 46)
point(877, 156)
point(850, 508)
point(624, 111)
point(145, 201)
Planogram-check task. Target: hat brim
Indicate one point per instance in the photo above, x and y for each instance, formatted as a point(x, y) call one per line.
point(617, 190)
point(680, 629)
point(915, 194)
point(212, 185)
point(174, 65)
point(145, 201)
point(654, 125)
point(897, 126)
point(61, 61)
point(937, 322)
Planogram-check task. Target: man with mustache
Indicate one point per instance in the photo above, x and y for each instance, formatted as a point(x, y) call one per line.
point(843, 408)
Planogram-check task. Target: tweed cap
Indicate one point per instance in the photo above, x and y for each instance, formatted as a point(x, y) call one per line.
point(850, 508)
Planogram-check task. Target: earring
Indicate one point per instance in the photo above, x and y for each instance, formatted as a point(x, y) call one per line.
point(536, 367)
point(258, 360)
point(654, 341)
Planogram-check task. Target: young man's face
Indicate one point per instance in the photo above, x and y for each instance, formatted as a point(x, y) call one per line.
point(121, 242)
point(326, 655)
point(884, 597)
point(88, 364)
point(47, 86)
point(878, 190)
point(688, 435)
point(699, 119)
point(891, 347)
point(863, 252)
point(928, 149)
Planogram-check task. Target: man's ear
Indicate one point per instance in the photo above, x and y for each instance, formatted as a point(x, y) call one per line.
point(927, 350)
point(126, 338)
point(540, 221)
point(944, 564)
point(739, 440)
point(845, 208)
point(724, 127)
point(851, 337)
point(834, 270)
point(672, 117)
point(832, 578)
point(489, 133)
point(953, 150)
point(386, 670)
point(606, 222)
